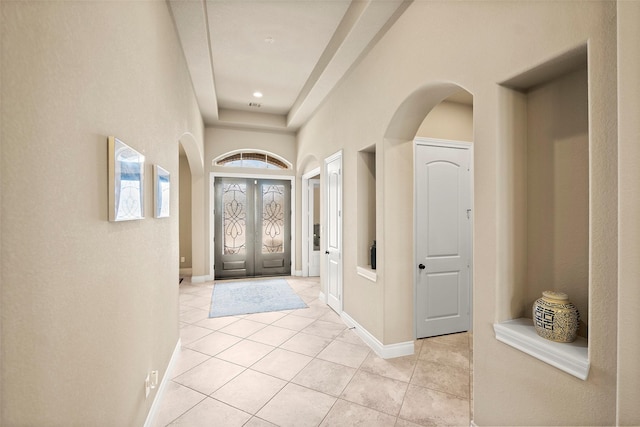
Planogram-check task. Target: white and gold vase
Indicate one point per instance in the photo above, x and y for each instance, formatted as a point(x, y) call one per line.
point(555, 317)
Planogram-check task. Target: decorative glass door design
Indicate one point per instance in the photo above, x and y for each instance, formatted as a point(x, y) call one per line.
point(252, 227)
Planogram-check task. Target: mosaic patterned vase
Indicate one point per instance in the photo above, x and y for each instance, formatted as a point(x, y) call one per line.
point(555, 317)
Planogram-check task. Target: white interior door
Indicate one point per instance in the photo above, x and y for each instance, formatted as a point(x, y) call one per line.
point(314, 227)
point(443, 239)
point(333, 245)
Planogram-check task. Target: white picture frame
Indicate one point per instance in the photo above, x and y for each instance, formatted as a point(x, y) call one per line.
point(126, 181)
point(162, 192)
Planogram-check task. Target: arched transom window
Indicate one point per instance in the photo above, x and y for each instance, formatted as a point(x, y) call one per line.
point(252, 159)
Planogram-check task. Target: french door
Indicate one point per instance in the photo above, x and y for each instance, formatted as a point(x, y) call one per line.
point(252, 220)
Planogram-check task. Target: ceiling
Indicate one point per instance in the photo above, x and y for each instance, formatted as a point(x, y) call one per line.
point(294, 52)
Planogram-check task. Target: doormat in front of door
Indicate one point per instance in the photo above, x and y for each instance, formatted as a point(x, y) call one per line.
point(253, 296)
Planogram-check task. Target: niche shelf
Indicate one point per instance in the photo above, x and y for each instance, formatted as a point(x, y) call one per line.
point(545, 113)
point(366, 205)
point(572, 358)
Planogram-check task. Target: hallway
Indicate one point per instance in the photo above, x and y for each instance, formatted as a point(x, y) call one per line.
point(306, 368)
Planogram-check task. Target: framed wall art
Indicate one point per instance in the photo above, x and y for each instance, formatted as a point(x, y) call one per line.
point(162, 189)
point(126, 182)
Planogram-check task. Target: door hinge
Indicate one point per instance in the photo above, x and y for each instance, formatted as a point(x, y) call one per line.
point(468, 213)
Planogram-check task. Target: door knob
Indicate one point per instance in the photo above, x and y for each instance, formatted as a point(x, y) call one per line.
point(421, 266)
point(326, 252)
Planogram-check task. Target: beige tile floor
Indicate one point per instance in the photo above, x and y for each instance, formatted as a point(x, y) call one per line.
point(306, 368)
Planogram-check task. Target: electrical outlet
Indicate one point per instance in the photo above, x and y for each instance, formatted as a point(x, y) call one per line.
point(150, 382)
point(154, 379)
point(182, 259)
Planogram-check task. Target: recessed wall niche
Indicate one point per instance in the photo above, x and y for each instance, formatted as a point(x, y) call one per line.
point(366, 202)
point(544, 175)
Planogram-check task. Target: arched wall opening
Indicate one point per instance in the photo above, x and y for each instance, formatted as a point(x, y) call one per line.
point(191, 204)
point(411, 119)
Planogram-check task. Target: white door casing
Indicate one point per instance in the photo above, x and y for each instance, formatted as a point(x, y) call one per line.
point(333, 230)
point(307, 227)
point(314, 240)
point(443, 202)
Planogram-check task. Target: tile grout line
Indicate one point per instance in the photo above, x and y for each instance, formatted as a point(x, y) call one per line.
point(288, 382)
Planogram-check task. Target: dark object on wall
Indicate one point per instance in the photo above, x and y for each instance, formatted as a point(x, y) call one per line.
point(373, 255)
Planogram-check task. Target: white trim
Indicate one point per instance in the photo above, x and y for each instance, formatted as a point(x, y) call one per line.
point(333, 157)
point(367, 273)
point(572, 358)
point(201, 279)
point(212, 227)
point(251, 150)
point(305, 219)
point(311, 173)
point(384, 351)
point(446, 143)
point(304, 235)
point(157, 400)
point(322, 297)
point(297, 273)
point(473, 424)
point(252, 176)
point(340, 223)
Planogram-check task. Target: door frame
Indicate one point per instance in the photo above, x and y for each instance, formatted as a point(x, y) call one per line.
point(212, 226)
point(305, 232)
point(325, 210)
point(437, 142)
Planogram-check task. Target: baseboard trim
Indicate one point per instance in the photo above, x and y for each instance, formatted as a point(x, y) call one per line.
point(297, 273)
point(385, 351)
point(201, 279)
point(157, 400)
point(473, 424)
point(322, 297)
point(187, 271)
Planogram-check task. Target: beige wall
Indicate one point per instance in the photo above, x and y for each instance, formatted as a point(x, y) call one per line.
point(629, 213)
point(558, 191)
point(413, 68)
point(89, 306)
point(185, 212)
point(316, 205)
point(448, 120)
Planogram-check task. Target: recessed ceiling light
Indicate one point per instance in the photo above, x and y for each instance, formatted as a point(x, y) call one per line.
point(257, 94)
